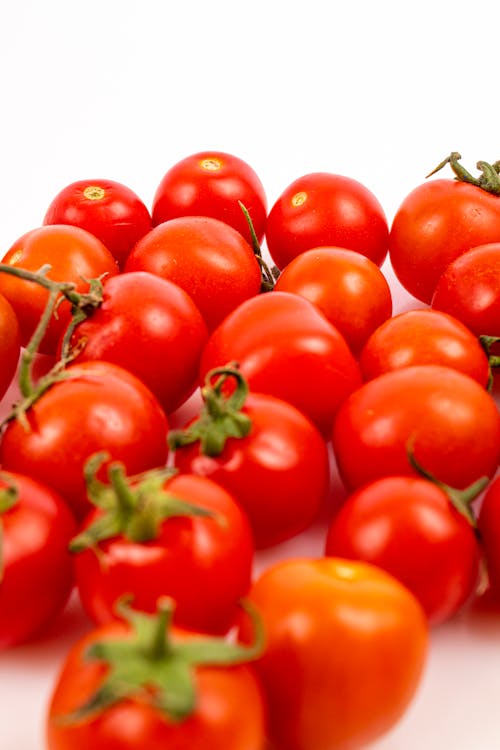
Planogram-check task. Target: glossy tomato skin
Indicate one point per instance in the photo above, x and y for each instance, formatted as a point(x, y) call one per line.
point(109, 210)
point(449, 420)
point(424, 337)
point(469, 289)
point(285, 347)
point(349, 289)
point(346, 648)
point(98, 407)
point(210, 260)
point(279, 472)
point(489, 529)
point(218, 720)
point(37, 567)
point(210, 183)
point(409, 527)
point(437, 222)
point(321, 209)
point(152, 328)
point(10, 344)
point(203, 563)
point(74, 255)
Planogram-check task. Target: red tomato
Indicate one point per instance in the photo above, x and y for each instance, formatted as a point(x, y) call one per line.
point(98, 406)
point(154, 696)
point(349, 289)
point(409, 527)
point(452, 422)
point(285, 347)
point(152, 328)
point(73, 254)
point(469, 289)
point(278, 472)
point(424, 337)
point(322, 209)
point(437, 222)
point(203, 562)
point(36, 573)
point(346, 647)
point(489, 533)
point(10, 344)
point(210, 260)
point(107, 209)
point(210, 183)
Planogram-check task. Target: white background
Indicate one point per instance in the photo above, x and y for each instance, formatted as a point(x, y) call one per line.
point(380, 91)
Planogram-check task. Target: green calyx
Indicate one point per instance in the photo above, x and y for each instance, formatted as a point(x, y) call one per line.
point(9, 496)
point(488, 180)
point(132, 507)
point(154, 666)
point(220, 417)
point(460, 499)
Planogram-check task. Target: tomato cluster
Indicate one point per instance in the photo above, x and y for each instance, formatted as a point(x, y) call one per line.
point(191, 381)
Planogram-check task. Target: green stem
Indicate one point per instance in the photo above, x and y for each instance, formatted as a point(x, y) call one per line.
point(81, 306)
point(489, 179)
point(460, 499)
point(221, 416)
point(268, 275)
point(487, 342)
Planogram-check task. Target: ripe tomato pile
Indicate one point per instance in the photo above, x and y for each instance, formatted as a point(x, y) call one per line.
point(198, 382)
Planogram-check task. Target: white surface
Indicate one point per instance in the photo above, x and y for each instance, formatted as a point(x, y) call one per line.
point(377, 91)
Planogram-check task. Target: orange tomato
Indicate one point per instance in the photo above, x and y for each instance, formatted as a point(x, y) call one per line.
point(346, 648)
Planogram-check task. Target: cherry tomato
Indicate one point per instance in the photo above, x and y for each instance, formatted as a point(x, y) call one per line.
point(346, 648)
point(36, 573)
point(136, 684)
point(10, 344)
point(437, 222)
point(323, 209)
point(469, 289)
point(451, 422)
point(424, 337)
point(109, 210)
point(210, 260)
point(203, 562)
point(152, 328)
point(489, 529)
point(210, 183)
point(97, 406)
point(349, 289)
point(285, 347)
point(409, 527)
point(278, 470)
point(73, 254)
